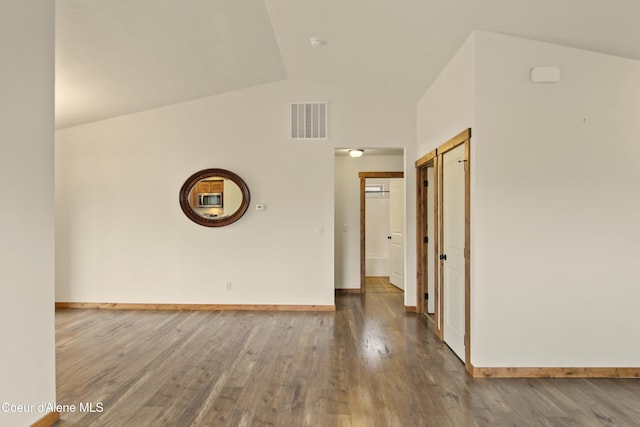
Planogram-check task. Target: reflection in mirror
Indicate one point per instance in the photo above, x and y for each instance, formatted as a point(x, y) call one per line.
point(214, 197)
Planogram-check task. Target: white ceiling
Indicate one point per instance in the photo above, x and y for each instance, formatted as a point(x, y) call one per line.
point(116, 57)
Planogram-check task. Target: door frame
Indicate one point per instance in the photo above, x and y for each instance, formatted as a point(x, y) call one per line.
point(363, 207)
point(429, 160)
point(434, 159)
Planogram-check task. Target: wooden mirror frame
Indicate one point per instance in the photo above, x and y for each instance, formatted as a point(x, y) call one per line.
point(213, 222)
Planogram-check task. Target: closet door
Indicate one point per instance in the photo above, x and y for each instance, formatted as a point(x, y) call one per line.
point(396, 219)
point(452, 259)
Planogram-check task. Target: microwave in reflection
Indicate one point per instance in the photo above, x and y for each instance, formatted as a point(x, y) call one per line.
point(209, 200)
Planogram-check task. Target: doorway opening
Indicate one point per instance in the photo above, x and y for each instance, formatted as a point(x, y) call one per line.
point(349, 197)
point(387, 223)
point(427, 242)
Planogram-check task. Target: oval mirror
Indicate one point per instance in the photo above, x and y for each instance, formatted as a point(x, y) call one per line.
point(214, 197)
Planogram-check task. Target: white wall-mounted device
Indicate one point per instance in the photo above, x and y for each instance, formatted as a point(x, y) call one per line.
point(545, 75)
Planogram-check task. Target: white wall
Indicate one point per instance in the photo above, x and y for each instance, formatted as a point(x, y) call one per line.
point(27, 348)
point(123, 238)
point(347, 215)
point(555, 202)
point(448, 106)
point(558, 193)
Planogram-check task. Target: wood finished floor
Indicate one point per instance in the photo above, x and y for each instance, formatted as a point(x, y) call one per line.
point(380, 284)
point(367, 364)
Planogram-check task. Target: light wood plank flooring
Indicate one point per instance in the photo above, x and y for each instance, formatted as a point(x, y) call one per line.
point(380, 284)
point(367, 364)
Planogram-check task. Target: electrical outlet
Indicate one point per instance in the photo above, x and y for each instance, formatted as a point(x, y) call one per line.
point(228, 286)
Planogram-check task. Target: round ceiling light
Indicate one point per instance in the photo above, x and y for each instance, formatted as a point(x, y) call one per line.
point(356, 153)
point(317, 42)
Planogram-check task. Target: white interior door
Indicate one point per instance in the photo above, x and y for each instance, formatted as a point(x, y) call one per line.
point(377, 229)
point(431, 267)
point(453, 266)
point(396, 219)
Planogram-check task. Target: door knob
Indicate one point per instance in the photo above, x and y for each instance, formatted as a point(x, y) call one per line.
point(389, 237)
point(443, 257)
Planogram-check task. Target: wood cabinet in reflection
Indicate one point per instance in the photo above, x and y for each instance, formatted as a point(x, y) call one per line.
point(209, 186)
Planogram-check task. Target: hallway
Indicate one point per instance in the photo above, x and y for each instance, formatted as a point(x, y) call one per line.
point(367, 364)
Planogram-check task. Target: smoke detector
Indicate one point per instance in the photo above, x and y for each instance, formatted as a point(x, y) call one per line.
point(316, 42)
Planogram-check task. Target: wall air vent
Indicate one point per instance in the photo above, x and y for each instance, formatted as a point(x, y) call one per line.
point(308, 120)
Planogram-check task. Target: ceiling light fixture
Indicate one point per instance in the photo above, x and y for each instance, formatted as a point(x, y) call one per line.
point(316, 42)
point(356, 153)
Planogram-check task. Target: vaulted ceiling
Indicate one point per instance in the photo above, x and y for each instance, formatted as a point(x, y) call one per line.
point(116, 57)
